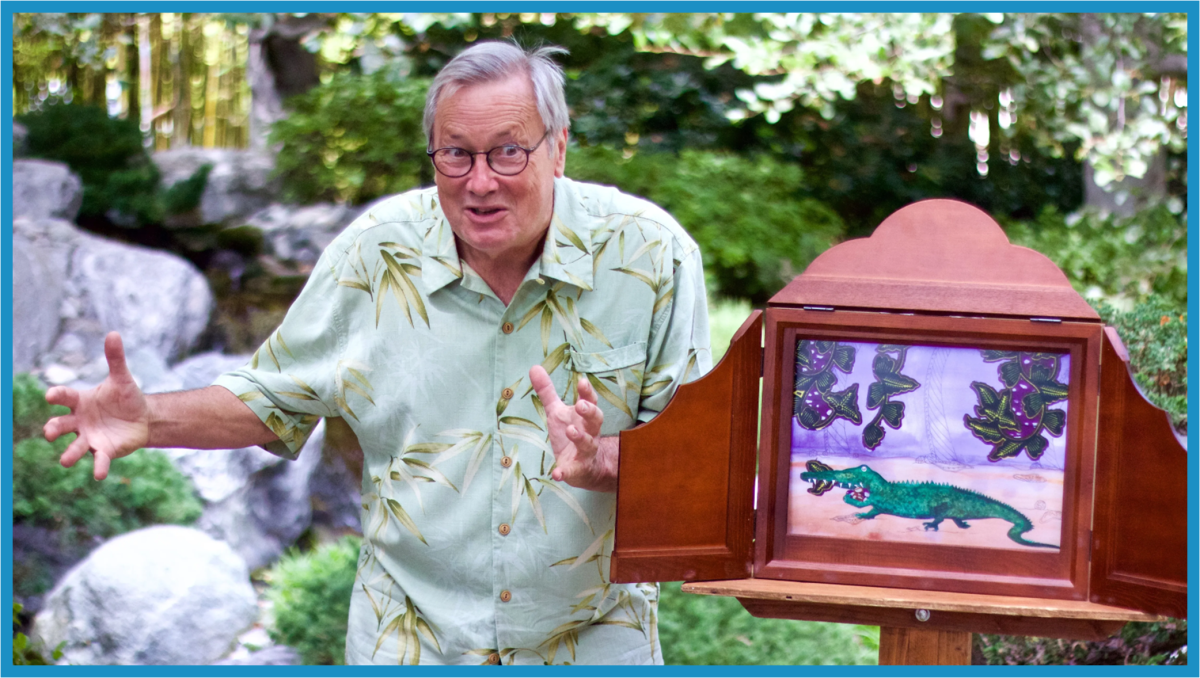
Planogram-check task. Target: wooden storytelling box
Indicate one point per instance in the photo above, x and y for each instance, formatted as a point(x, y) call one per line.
point(943, 418)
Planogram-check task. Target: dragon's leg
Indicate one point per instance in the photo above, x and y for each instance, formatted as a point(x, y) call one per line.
point(933, 524)
point(960, 522)
point(869, 514)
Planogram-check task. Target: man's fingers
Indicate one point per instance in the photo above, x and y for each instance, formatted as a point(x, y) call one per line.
point(543, 386)
point(74, 451)
point(58, 426)
point(593, 416)
point(100, 462)
point(586, 392)
point(114, 352)
point(61, 395)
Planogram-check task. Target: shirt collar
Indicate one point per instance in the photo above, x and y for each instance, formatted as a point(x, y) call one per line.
point(567, 253)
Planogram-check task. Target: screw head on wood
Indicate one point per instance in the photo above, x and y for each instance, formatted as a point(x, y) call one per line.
point(922, 615)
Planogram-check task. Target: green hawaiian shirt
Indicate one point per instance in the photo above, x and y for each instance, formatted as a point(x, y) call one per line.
point(471, 552)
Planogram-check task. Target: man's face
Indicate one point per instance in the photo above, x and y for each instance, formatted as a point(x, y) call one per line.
point(493, 215)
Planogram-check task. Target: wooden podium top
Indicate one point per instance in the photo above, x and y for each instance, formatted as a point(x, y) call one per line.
point(870, 596)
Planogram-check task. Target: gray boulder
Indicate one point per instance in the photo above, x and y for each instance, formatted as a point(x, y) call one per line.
point(239, 185)
point(43, 189)
point(256, 502)
point(41, 251)
point(298, 234)
point(158, 301)
point(160, 595)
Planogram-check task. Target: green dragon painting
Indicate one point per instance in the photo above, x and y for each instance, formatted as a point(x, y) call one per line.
point(933, 501)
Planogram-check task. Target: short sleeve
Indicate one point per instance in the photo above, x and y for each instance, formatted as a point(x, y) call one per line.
point(290, 381)
point(678, 350)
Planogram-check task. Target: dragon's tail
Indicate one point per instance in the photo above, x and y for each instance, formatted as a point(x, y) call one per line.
point(1020, 528)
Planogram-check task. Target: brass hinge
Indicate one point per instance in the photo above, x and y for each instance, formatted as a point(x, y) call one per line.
point(1045, 320)
point(817, 308)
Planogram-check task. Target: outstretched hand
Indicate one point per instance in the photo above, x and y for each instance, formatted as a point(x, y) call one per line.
point(582, 458)
point(111, 420)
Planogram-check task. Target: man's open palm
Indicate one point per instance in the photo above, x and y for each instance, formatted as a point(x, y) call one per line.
point(575, 435)
point(112, 419)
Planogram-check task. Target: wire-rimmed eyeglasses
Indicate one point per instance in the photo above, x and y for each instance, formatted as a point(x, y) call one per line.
point(507, 160)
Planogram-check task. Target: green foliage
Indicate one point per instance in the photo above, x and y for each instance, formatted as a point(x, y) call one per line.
point(30, 409)
point(697, 630)
point(1139, 643)
point(142, 489)
point(1121, 260)
point(353, 139)
point(1155, 334)
point(311, 595)
point(753, 230)
point(25, 654)
point(120, 182)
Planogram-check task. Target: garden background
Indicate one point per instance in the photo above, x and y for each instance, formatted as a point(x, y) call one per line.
point(770, 137)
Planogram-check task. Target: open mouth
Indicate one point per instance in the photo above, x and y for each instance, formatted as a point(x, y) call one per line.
point(483, 211)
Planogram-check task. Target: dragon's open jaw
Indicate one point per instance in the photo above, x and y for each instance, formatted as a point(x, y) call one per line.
point(820, 486)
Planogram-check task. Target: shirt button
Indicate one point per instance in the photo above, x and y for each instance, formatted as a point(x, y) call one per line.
point(507, 394)
point(507, 328)
point(541, 281)
point(494, 658)
point(505, 596)
point(506, 461)
point(505, 529)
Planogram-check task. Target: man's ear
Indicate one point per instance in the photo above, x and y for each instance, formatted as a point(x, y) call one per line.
point(560, 152)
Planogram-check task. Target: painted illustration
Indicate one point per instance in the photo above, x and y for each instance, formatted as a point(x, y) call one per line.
point(960, 446)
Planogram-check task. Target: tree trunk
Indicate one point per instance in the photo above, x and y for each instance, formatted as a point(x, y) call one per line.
point(277, 67)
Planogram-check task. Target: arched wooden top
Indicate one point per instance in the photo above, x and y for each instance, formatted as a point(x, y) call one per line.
point(940, 256)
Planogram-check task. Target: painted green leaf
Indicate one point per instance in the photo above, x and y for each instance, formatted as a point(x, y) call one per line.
point(872, 435)
point(1054, 421)
point(893, 414)
point(1010, 373)
point(984, 430)
point(1035, 446)
point(1006, 449)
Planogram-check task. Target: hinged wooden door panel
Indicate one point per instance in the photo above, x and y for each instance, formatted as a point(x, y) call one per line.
point(686, 478)
point(1139, 552)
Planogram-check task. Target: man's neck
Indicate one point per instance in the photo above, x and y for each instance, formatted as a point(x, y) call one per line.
point(503, 273)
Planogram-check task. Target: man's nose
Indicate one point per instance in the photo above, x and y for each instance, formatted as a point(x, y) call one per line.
point(482, 178)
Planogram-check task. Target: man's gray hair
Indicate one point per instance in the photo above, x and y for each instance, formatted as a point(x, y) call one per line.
point(492, 61)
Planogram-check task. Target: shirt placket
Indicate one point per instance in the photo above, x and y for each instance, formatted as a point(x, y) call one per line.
point(509, 358)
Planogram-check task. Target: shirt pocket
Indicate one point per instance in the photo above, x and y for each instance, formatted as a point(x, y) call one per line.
point(616, 376)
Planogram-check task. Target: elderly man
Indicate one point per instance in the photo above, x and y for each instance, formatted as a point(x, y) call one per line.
point(488, 502)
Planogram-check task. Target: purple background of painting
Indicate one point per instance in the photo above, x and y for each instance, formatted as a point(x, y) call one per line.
point(931, 430)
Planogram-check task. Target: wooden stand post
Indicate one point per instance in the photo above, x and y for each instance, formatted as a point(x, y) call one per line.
point(923, 627)
point(898, 646)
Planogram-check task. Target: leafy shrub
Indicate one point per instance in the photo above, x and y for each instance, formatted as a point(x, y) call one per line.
point(1138, 643)
point(698, 630)
point(1155, 334)
point(24, 653)
point(119, 178)
point(143, 489)
point(30, 409)
point(311, 595)
point(754, 231)
point(1120, 259)
point(353, 139)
